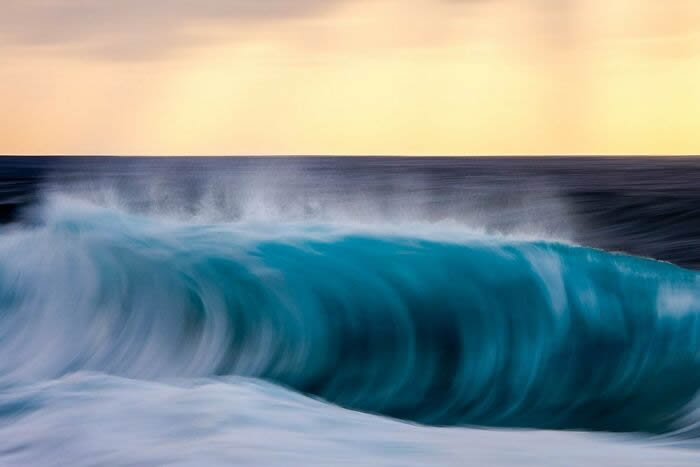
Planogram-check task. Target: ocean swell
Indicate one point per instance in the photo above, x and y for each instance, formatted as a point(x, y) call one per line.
point(468, 330)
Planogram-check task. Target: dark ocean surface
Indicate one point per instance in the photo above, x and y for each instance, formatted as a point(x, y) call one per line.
point(644, 206)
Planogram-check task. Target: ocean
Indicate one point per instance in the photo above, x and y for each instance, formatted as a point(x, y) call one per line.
point(349, 311)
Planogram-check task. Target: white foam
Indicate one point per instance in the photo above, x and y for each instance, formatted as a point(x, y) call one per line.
point(91, 419)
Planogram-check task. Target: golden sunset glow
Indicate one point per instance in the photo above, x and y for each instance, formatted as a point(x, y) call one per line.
point(350, 77)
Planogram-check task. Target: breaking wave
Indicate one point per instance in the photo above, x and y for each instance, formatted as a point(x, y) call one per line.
point(434, 328)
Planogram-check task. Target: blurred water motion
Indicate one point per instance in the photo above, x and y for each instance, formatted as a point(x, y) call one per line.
point(325, 311)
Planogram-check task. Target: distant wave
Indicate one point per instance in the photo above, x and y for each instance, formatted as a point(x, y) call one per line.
point(470, 330)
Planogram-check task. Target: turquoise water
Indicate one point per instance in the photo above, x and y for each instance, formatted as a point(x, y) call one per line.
point(439, 328)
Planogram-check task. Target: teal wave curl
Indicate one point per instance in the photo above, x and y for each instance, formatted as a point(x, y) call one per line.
point(471, 331)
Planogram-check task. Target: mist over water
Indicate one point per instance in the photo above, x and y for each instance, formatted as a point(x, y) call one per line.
point(643, 206)
point(327, 310)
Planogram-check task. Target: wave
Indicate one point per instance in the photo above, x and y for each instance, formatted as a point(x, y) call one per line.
point(435, 329)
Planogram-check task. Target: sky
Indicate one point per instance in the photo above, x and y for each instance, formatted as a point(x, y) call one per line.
point(388, 77)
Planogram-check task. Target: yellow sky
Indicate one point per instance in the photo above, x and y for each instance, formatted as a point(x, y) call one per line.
point(350, 77)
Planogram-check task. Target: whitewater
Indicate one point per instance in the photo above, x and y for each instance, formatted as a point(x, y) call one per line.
point(142, 336)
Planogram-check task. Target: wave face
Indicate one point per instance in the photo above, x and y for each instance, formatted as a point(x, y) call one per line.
point(465, 330)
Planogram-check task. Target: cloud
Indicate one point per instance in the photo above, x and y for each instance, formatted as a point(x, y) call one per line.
point(132, 28)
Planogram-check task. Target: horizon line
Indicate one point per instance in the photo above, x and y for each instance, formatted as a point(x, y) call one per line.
point(581, 155)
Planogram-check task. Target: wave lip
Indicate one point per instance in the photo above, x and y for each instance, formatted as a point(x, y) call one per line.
point(473, 331)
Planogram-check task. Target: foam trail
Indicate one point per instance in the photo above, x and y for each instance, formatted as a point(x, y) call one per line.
point(88, 419)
